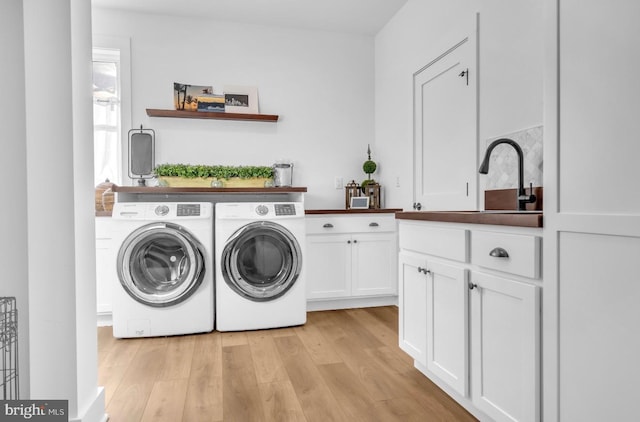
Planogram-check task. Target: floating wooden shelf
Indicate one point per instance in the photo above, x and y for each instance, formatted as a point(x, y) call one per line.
point(154, 112)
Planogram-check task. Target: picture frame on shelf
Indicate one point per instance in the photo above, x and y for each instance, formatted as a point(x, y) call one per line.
point(185, 96)
point(359, 202)
point(241, 99)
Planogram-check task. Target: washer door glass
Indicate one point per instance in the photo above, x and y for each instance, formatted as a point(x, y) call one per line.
point(261, 261)
point(161, 264)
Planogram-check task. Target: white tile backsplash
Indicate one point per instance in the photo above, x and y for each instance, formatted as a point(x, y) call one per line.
point(503, 165)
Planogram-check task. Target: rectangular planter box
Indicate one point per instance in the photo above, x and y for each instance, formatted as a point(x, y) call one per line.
point(205, 182)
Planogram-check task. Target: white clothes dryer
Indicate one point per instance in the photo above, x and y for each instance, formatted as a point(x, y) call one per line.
point(164, 260)
point(259, 265)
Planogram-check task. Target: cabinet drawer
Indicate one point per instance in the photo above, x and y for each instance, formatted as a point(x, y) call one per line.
point(450, 243)
point(523, 252)
point(350, 224)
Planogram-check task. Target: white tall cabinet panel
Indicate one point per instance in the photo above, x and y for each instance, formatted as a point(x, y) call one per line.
point(592, 211)
point(600, 337)
point(599, 91)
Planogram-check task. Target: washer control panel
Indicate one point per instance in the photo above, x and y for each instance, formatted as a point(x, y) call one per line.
point(188, 210)
point(285, 209)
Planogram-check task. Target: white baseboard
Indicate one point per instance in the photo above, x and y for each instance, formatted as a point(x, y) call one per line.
point(105, 319)
point(95, 412)
point(351, 302)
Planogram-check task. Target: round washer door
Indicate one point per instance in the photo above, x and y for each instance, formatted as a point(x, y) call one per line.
point(261, 261)
point(161, 264)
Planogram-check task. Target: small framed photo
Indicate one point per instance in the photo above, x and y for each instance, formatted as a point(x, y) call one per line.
point(359, 202)
point(185, 96)
point(241, 99)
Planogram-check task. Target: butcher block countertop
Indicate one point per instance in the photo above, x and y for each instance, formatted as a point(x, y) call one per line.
point(353, 211)
point(495, 217)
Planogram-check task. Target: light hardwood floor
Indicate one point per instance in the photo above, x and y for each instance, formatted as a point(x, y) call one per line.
point(341, 366)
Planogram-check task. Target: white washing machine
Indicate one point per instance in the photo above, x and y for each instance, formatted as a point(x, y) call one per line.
point(163, 254)
point(259, 268)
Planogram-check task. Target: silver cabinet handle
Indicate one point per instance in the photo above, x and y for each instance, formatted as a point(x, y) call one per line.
point(499, 253)
point(472, 285)
point(328, 226)
point(374, 224)
point(424, 270)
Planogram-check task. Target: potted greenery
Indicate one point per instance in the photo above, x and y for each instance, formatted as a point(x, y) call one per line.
point(199, 175)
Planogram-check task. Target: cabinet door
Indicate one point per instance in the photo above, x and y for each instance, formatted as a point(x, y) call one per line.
point(328, 266)
point(447, 325)
point(445, 129)
point(505, 326)
point(412, 302)
point(374, 264)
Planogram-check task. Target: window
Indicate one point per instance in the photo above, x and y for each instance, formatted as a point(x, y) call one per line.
point(106, 115)
point(111, 108)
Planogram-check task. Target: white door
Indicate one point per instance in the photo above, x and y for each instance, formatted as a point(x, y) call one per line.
point(328, 266)
point(505, 357)
point(412, 302)
point(447, 325)
point(445, 129)
point(374, 264)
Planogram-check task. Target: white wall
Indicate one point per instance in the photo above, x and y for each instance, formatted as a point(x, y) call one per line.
point(510, 58)
point(13, 160)
point(319, 83)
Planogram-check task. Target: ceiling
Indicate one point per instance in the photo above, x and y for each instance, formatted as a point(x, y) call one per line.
point(354, 16)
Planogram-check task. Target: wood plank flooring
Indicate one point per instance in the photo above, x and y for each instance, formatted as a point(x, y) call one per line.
point(341, 366)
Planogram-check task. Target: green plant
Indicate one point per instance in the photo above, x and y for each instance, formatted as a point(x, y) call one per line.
point(190, 171)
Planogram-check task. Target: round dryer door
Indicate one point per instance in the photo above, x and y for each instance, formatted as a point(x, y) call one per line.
point(261, 261)
point(161, 264)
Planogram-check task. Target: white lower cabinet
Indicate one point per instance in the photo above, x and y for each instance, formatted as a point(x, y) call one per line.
point(351, 257)
point(448, 324)
point(505, 345)
point(412, 301)
point(472, 329)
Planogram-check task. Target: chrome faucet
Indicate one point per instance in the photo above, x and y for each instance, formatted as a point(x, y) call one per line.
point(522, 198)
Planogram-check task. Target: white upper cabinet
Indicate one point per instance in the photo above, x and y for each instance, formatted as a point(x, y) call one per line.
point(445, 129)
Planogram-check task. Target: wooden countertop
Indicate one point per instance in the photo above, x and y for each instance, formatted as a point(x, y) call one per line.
point(500, 218)
point(358, 211)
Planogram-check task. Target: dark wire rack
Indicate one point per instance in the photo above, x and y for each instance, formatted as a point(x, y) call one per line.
point(8, 349)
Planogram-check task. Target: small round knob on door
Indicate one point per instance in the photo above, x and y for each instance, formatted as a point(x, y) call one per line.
point(472, 286)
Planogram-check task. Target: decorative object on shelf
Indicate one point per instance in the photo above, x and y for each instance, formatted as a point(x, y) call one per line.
point(372, 190)
point(369, 166)
point(108, 199)
point(241, 99)
point(100, 189)
point(142, 154)
point(352, 190)
point(282, 174)
point(211, 103)
point(185, 97)
point(188, 175)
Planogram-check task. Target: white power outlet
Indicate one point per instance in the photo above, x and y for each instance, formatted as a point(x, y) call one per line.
point(338, 182)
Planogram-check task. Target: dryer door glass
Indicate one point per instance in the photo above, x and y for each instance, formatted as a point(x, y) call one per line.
point(161, 264)
point(261, 261)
